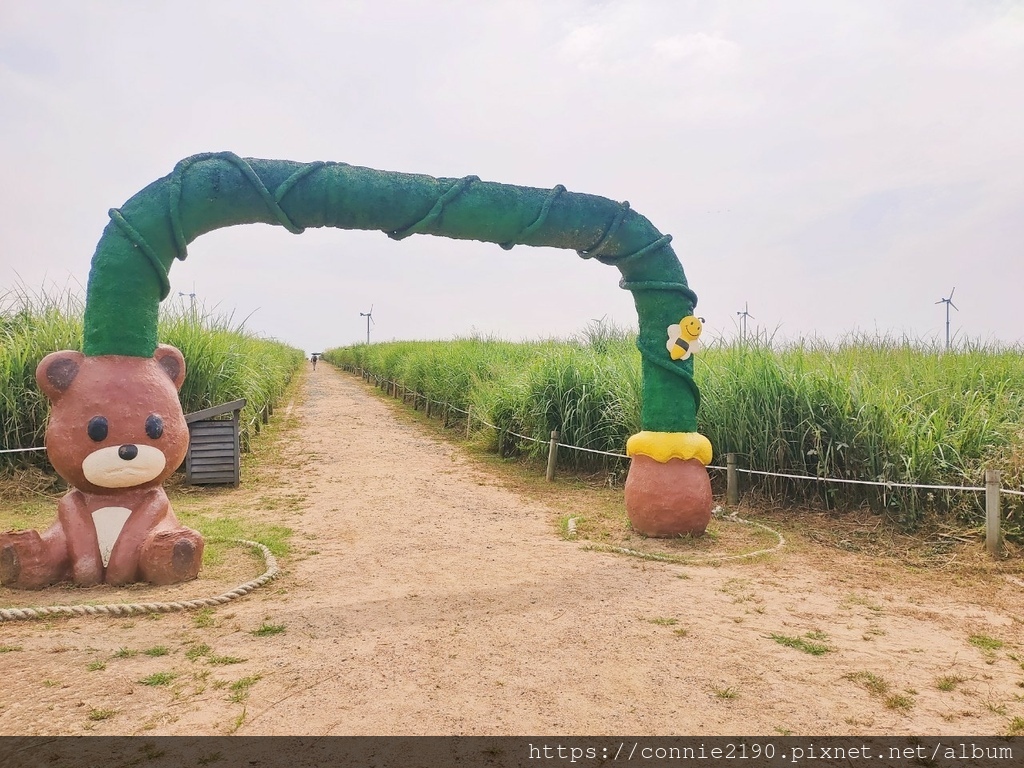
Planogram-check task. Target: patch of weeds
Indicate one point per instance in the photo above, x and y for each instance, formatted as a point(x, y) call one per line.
point(238, 721)
point(101, 714)
point(985, 642)
point(265, 630)
point(865, 602)
point(197, 651)
point(681, 632)
point(869, 680)
point(203, 618)
point(949, 682)
point(900, 702)
point(224, 660)
point(157, 650)
point(806, 644)
point(1015, 727)
point(726, 693)
point(240, 688)
point(159, 678)
point(96, 666)
point(125, 653)
point(213, 757)
point(997, 709)
point(10, 648)
point(664, 622)
point(50, 683)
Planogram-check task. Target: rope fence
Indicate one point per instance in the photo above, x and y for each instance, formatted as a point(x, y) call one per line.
point(993, 491)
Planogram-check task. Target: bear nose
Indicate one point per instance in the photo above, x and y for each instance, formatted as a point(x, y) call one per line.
point(128, 452)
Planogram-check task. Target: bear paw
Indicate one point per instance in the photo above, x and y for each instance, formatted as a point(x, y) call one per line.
point(10, 565)
point(170, 557)
point(26, 562)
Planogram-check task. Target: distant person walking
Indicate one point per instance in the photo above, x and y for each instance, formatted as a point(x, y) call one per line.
point(313, 360)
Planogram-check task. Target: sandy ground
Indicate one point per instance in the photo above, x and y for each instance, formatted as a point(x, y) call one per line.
point(423, 596)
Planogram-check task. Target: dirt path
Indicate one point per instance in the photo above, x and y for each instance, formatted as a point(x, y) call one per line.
point(423, 597)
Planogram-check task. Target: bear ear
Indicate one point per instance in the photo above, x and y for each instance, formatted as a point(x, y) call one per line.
point(56, 371)
point(173, 363)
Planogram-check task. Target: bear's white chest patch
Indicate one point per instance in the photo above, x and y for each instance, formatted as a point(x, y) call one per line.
point(109, 521)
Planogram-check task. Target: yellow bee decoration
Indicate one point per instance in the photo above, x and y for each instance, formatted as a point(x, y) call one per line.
point(682, 337)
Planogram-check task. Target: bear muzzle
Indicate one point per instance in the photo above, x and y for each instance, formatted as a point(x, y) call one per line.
point(123, 466)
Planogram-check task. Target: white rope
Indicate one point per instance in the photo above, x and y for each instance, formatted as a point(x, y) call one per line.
point(593, 450)
point(691, 559)
point(884, 483)
point(128, 609)
point(20, 450)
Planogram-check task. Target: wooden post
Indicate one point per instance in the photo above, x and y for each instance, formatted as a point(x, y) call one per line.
point(732, 491)
point(993, 534)
point(265, 415)
point(427, 408)
point(447, 410)
point(552, 455)
point(469, 419)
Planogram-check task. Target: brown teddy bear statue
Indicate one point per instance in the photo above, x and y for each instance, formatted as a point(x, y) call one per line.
point(116, 432)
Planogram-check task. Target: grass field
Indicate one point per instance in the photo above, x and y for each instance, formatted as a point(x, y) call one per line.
point(224, 362)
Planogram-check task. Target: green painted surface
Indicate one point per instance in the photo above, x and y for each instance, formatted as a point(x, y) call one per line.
point(207, 192)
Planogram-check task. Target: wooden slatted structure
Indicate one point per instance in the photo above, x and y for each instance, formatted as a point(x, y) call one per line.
point(213, 449)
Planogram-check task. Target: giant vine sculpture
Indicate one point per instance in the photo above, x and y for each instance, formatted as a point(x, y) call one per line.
point(667, 490)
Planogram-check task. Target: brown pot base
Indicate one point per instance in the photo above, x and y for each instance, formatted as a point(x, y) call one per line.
point(668, 500)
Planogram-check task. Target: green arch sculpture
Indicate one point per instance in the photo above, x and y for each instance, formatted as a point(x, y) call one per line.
point(129, 274)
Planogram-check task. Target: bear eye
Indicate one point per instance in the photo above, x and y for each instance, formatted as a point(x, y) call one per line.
point(98, 428)
point(154, 426)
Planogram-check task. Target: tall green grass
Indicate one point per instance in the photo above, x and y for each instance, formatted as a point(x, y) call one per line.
point(224, 362)
point(863, 408)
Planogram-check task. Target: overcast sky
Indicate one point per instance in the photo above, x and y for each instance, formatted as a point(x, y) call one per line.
point(837, 165)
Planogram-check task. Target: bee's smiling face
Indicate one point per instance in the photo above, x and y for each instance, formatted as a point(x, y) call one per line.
point(692, 326)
